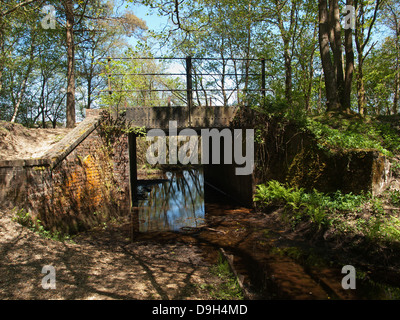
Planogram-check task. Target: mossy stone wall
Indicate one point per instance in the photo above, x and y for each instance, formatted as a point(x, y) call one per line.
point(291, 155)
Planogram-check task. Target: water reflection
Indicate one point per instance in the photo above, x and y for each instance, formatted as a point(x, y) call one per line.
point(173, 203)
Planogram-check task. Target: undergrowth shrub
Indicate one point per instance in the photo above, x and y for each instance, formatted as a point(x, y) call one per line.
point(345, 213)
point(25, 219)
point(335, 131)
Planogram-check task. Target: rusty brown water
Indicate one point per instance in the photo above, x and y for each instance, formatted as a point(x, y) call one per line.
point(179, 206)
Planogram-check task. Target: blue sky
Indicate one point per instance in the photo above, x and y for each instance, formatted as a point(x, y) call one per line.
point(154, 22)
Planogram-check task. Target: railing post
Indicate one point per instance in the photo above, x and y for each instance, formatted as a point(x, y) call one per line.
point(263, 77)
point(109, 75)
point(189, 86)
point(133, 181)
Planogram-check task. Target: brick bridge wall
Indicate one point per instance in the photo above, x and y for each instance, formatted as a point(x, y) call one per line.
point(76, 185)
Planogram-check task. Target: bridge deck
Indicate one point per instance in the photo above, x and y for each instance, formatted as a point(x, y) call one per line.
point(199, 117)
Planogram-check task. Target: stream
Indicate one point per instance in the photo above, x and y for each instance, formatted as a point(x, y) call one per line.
point(271, 263)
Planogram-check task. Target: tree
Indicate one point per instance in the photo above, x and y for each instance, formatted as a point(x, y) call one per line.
point(70, 23)
point(214, 29)
point(7, 12)
point(19, 50)
point(281, 32)
point(78, 17)
point(100, 39)
point(32, 61)
point(32, 74)
point(337, 81)
point(134, 82)
point(27, 72)
point(51, 81)
point(294, 19)
point(366, 18)
point(391, 14)
point(380, 77)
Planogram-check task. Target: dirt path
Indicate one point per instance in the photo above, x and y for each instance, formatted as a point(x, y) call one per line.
point(97, 270)
point(18, 142)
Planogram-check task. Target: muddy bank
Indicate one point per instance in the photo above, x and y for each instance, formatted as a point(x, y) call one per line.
point(322, 255)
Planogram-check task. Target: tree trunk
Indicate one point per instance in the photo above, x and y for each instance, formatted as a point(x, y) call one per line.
point(309, 86)
point(308, 92)
point(18, 104)
point(329, 71)
point(349, 52)
point(90, 79)
point(336, 44)
point(89, 89)
point(397, 76)
point(2, 54)
point(25, 80)
point(70, 112)
point(42, 100)
point(360, 85)
point(396, 91)
point(288, 74)
point(360, 49)
point(287, 55)
point(247, 50)
point(361, 41)
point(319, 106)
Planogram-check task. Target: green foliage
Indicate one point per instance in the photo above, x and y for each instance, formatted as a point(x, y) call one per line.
point(394, 196)
point(130, 88)
point(341, 212)
point(297, 203)
point(335, 132)
point(300, 205)
point(342, 134)
point(380, 74)
point(390, 137)
point(229, 289)
point(25, 219)
point(113, 126)
point(33, 66)
point(278, 108)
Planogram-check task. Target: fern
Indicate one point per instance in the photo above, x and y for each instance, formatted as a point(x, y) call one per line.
point(313, 206)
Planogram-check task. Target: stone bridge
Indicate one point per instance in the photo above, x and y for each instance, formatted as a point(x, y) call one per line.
point(221, 176)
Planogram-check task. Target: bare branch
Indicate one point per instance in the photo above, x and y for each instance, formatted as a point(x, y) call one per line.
point(16, 7)
point(378, 3)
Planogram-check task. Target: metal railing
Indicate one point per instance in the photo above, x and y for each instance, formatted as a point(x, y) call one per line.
point(242, 70)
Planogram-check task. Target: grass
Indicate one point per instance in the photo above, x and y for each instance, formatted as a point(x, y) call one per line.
point(343, 134)
point(337, 132)
point(58, 138)
point(307, 258)
point(25, 219)
point(229, 288)
point(394, 196)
